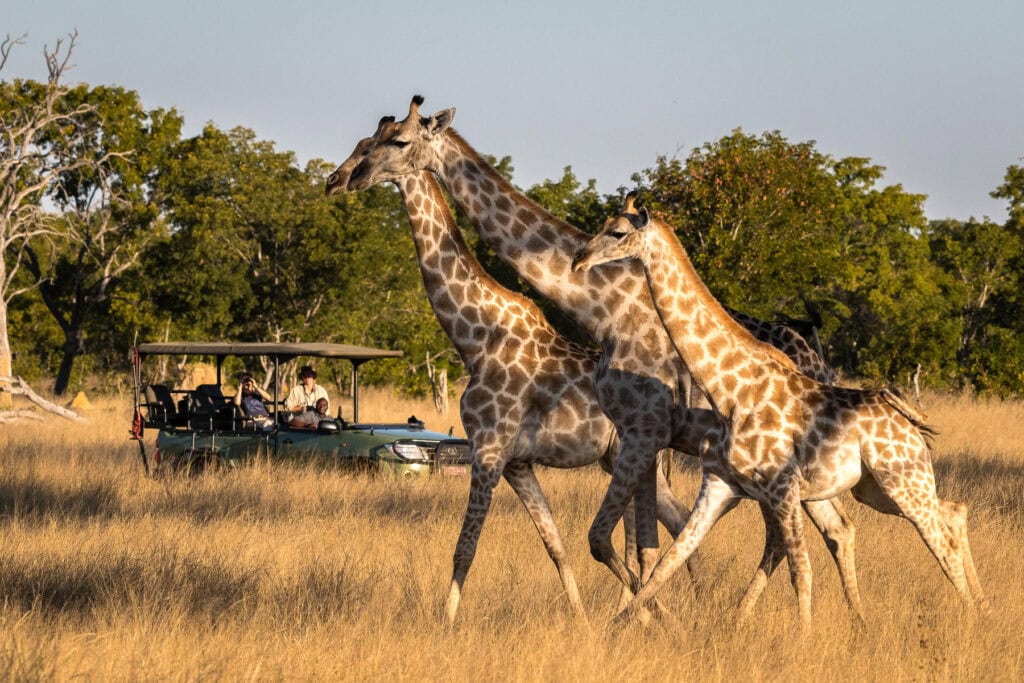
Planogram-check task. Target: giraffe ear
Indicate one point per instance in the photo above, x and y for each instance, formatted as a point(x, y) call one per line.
point(643, 218)
point(440, 121)
point(382, 123)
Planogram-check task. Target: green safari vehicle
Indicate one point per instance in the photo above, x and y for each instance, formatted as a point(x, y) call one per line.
point(201, 428)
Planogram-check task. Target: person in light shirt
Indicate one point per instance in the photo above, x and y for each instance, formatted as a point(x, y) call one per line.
point(310, 419)
point(305, 394)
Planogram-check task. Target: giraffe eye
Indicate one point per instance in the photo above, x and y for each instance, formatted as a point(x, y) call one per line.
point(618, 234)
point(400, 144)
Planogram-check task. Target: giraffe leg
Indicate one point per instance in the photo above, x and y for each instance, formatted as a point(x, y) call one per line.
point(955, 516)
point(673, 514)
point(774, 551)
point(635, 458)
point(791, 524)
point(629, 552)
point(523, 481)
point(714, 500)
point(481, 489)
point(919, 505)
point(836, 527)
point(645, 502)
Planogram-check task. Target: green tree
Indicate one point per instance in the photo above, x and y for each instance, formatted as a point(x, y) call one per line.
point(749, 209)
point(893, 307)
point(30, 164)
point(257, 252)
point(773, 226)
point(1012, 190)
point(571, 201)
point(979, 255)
point(107, 217)
point(988, 259)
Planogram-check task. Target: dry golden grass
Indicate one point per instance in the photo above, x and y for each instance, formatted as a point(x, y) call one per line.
point(285, 573)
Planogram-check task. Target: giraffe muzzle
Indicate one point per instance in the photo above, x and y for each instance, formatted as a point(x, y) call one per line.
point(335, 184)
point(579, 262)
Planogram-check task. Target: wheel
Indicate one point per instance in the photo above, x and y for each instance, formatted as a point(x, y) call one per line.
point(193, 463)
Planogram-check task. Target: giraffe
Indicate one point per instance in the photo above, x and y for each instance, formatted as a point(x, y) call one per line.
point(641, 383)
point(530, 399)
point(783, 336)
point(787, 437)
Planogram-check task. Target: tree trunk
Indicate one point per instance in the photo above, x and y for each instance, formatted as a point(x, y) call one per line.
point(441, 392)
point(6, 401)
point(438, 386)
point(72, 347)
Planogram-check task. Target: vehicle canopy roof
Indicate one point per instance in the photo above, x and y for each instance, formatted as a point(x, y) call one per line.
point(279, 352)
point(283, 351)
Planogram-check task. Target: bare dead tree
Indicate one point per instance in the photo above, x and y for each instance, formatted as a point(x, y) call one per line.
point(100, 248)
point(917, 386)
point(438, 384)
point(29, 168)
point(16, 385)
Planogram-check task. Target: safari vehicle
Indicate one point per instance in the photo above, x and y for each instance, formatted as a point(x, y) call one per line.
point(201, 427)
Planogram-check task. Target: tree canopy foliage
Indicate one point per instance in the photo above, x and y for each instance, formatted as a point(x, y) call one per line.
point(222, 236)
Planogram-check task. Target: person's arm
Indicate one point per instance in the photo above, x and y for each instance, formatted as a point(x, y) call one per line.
point(300, 421)
point(238, 397)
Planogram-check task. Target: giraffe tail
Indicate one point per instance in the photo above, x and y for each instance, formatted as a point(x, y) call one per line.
point(916, 417)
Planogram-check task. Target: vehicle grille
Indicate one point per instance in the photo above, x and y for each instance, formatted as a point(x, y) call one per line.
point(454, 452)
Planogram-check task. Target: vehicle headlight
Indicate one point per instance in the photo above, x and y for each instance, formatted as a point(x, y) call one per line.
point(406, 451)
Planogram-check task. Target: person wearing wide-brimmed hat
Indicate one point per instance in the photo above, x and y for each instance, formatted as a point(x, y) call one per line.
point(305, 395)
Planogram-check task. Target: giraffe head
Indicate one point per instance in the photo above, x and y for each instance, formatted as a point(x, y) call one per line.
point(396, 149)
point(621, 237)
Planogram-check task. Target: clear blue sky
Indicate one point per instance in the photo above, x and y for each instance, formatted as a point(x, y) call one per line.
point(933, 91)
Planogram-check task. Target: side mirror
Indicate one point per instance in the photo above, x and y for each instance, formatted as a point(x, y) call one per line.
point(327, 427)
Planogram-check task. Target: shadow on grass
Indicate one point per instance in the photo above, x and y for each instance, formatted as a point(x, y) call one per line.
point(967, 478)
point(207, 591)
point(34, 499)
point(81, 585)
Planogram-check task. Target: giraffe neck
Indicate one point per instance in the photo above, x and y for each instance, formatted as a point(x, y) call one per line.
point(467, 302)
point(790, 342)
point(537, 245)
point(723, 358)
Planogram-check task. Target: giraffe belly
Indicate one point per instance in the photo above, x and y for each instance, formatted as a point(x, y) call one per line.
point(831, 474)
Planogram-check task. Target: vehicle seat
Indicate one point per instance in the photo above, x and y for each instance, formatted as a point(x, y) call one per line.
point(208, 407)
point(160, 406)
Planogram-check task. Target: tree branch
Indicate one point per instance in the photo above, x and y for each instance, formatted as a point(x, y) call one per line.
point(15, 415)
point(19, 387)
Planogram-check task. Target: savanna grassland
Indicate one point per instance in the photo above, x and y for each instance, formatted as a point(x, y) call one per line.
point(293, 573)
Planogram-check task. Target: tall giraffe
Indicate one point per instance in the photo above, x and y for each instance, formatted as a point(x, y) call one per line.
point(790, 438)
point(641, 383)
point(531, 397)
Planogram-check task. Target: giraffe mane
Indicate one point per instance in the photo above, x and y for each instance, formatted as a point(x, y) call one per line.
point(508, 188)
point(724, 320)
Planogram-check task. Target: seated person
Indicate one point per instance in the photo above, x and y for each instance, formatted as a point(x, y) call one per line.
point(305, 395)
point(309, 419)
point(250, 397)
